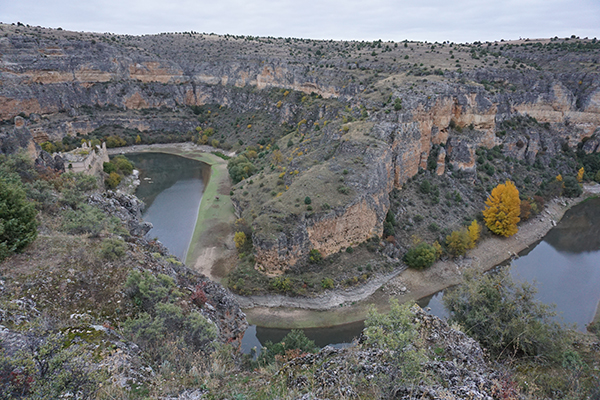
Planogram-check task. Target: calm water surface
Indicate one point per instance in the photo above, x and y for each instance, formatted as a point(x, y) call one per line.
point(564, 266)
point(171, 186)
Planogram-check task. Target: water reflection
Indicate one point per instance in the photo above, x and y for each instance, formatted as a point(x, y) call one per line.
point(171, 187)
point(338, 336)
point(564, 267)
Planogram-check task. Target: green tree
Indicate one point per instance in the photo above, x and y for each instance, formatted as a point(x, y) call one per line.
point(458, 242)
point(240, 168)
point(502, 210)
point(18, 225)
point(421, 256)
point(571, 187)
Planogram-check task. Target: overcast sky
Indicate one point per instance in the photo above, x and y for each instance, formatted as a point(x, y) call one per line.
point(423, 20)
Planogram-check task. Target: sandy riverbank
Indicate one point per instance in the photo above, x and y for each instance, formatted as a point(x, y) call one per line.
point(211, 247)
point(409, 285)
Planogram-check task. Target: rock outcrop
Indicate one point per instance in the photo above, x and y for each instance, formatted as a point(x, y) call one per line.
point(452, 356)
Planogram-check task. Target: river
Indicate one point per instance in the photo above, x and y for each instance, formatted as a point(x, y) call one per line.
point(565, 265)
point(171, 187)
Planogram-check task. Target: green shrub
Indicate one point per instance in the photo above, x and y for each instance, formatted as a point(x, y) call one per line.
point(421, 256)
point(343, 189)
point(425, 187)
point(398, 102)
point(42, 193)
point(314, 256)
point(294, 342)
point(571, 187)
point(88, 220)
point(307, 200)
point(327, 283)
point(240, 168)
point(122, 164)
point(113, 249)
point(147, 290)
point(396, 333)
point(113, 180)
point(281, 284)
point(49, 367)
point(504, 317)
point(18, 224)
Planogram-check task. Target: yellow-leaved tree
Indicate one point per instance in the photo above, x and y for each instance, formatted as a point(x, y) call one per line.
point(474, 231)
point(502, 210)
point(580, 174)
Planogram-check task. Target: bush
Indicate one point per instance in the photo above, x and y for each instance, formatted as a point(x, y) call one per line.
point(240, 240)
point(147, 290)
point(314, 256)
point(18, 224)
point(571, 187)
point(504, 317)
point(307, 200)
point(425, 187)
point(49, 367)
point(280, 284)
point(343, 189)
point(421, 256)
point(292, 345)
point(327, 283)
point(240, 168)
point(396, 333)
point(122, 164)
point(113, 180)
point(458, 242)
point(88, 220)
point(112, 249)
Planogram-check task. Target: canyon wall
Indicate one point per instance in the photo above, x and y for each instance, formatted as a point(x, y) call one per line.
point(74, 84)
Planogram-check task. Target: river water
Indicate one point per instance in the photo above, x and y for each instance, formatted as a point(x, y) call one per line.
point(171, 186)
point(565, 265)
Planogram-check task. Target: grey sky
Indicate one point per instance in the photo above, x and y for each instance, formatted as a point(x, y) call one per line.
point(430, 20)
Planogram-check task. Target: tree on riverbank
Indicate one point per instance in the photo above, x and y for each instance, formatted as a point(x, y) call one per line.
point(502, 210)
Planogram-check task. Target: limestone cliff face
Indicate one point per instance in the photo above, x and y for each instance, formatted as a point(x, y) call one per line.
point(357, 220)
point(463, 118)
point(47, 76)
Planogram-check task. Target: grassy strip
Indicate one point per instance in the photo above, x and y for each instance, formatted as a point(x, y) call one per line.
point(216, 208)
point(216, 212)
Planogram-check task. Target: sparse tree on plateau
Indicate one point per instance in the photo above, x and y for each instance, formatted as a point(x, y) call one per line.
point(502, 210)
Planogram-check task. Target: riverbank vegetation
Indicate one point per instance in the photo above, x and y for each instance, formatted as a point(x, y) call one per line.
point(525, 354)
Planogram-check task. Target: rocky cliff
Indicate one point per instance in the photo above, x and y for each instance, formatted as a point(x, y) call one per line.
point(59, 83)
